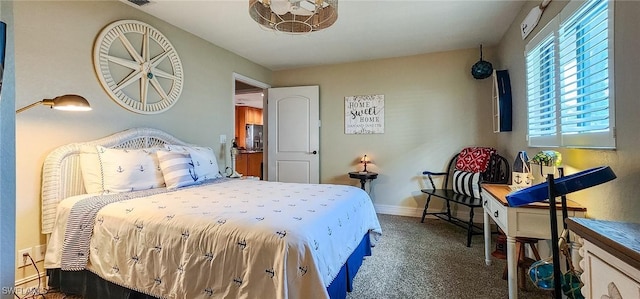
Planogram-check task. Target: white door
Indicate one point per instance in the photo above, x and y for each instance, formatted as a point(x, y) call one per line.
point(294, 134)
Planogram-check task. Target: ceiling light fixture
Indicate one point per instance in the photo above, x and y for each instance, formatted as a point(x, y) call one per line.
point(294, 16)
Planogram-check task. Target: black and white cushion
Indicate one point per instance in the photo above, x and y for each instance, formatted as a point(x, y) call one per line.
point(466, 183)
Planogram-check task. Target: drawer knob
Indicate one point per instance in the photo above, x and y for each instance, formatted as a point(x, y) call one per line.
point(485, 202)
point(495, 214)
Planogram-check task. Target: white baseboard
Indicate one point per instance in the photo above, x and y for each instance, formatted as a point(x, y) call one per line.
point(417, 212)
point(27, 285)
point(32, 278)
point(398, 210)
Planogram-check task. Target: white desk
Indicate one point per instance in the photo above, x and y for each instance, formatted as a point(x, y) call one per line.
point(526, 221)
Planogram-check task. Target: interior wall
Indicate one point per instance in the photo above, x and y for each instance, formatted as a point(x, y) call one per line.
point(433, 108)
point(53, 45)
point(618, 199)
point(7, 158)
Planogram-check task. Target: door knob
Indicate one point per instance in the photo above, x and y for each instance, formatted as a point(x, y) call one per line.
point(314, 152)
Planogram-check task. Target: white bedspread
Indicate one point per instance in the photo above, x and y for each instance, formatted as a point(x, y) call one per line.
point(237, 239)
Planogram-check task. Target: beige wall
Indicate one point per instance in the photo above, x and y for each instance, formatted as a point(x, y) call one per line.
point(616, 200)
point(433, 108)
point(53, 45)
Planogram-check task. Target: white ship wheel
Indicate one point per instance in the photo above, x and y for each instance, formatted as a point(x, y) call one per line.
point(138, 67)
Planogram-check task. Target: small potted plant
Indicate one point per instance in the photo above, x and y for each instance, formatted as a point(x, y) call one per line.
point(548, 161)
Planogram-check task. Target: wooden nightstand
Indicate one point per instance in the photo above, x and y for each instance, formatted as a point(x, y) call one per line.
point(363, 177)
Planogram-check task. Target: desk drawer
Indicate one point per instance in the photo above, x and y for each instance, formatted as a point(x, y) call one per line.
point(497, 211)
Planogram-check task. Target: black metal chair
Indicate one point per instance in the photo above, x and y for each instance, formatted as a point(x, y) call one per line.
point(497, 172)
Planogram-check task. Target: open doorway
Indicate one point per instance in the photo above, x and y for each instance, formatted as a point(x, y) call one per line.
point(250, 126)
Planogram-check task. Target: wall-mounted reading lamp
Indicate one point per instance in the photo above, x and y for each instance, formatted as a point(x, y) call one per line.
point(68, 102)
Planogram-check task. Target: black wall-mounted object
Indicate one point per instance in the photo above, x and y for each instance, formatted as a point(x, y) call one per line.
point(502, 91)
point(3, 44)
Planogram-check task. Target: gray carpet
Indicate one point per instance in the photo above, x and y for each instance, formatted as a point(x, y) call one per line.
point(430, 260)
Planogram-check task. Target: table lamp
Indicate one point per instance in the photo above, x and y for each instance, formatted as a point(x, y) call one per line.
point(365, 160)
point(68, 102)
point(234, 154)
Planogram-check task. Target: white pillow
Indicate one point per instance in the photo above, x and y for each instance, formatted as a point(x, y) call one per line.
point(129, 169)
point(204, 161)
point(177, 168)
point(91, 169)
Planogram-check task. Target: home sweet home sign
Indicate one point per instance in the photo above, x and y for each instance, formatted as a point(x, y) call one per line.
point(364, 114)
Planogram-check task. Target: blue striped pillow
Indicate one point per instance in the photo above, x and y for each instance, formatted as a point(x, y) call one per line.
point(177, 168)
point(203, 158)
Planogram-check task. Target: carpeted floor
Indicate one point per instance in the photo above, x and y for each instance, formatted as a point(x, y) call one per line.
point(426, 260)
point(430, 260)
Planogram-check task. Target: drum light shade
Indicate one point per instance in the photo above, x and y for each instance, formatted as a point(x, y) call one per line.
point(294, 16)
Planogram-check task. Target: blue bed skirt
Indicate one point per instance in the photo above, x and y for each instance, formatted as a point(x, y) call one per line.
point(89, 285)
point(343, 283)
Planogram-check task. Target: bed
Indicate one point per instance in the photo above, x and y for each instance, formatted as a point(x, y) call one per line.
point(212, 238)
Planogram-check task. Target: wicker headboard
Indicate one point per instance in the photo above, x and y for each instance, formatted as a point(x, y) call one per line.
point(61, 175)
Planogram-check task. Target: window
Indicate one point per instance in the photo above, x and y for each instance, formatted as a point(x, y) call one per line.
point(569, 71)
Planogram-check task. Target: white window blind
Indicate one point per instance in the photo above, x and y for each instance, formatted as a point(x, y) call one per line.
point(541, 95)
point(569, 78)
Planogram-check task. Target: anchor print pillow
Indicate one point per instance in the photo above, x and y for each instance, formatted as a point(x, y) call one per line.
point(204, 161)
point(125, 170)
point(177, 168)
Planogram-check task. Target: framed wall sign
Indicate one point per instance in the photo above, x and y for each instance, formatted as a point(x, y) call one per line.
point(364, 114)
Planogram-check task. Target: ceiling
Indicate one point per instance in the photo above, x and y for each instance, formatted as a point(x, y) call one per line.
point(248, 95)
point(252, 99)
point(364, 30)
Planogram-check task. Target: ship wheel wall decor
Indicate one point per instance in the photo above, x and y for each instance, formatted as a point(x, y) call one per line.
point(138, 67)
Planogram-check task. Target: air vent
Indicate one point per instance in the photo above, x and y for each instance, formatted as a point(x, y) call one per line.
point(139, 2)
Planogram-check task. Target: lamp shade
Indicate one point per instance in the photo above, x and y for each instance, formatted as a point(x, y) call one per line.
point(564, 185)
point(69, 102)
point(294, 17)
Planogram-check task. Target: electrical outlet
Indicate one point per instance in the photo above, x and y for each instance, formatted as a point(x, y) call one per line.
point(223, 139)
point(22, 260)
point(38, 252)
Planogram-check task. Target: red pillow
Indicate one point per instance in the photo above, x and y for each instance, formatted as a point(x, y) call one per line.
point(474, 159)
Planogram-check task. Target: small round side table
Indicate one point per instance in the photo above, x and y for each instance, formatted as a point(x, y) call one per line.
point(363, 177)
